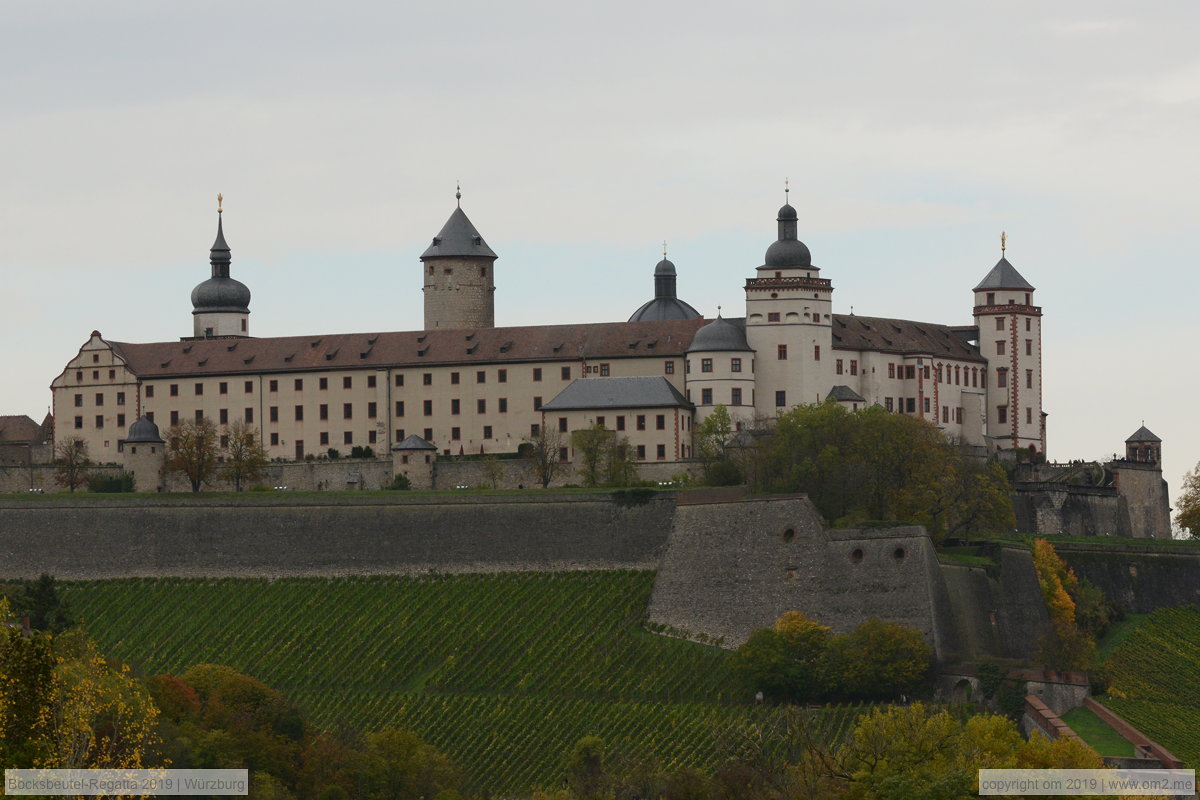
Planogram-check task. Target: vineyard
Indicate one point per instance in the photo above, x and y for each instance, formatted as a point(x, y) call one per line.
point(504, 672)
point(1156, 680)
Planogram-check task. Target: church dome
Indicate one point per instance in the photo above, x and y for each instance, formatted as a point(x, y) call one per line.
point(665, 304)
point(664, 267)
point(143, 432)
point(720, 334)
point(788, 253)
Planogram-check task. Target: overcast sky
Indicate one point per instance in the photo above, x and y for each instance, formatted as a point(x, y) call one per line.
point(584, 135)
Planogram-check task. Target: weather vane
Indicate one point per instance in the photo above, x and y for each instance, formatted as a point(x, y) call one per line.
point(1003, 241)
point(220, 198)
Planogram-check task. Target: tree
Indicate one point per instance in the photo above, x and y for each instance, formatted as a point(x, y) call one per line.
point(879, 660)
point(245, 457)
point(492, 469)
point(71, 462)
point(40, 602)
point(192, 448)
point(787, 660)
point(543, 449)
point(1188, 504)
point(710, 438)
point(620, 467)
point(591, 447)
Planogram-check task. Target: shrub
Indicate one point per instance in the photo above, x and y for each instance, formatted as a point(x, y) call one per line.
point(120, 482)
point(400, 483)
point(333, 454)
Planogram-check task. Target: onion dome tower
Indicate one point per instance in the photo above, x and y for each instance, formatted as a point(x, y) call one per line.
point(220, 305)
point(665, 304)
point(460, 284)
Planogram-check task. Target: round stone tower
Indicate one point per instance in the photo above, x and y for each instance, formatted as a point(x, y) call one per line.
point(460, 285)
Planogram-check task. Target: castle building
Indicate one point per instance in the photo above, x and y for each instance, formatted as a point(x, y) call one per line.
point(463, 385)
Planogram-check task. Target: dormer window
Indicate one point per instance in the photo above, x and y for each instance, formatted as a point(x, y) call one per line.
point(437, 240)
point(477, 240)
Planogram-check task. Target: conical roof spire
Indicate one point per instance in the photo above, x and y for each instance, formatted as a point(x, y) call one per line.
point(218, 255)
point(458, 237)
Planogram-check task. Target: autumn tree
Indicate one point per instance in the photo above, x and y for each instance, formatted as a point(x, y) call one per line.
point(245, 457)
point(543, 451)
point(787, 660)
point(879, 660)
point(1188, 504)
point(192, 449)
point(1064, 645)
point(71, 463)
point(492, 470)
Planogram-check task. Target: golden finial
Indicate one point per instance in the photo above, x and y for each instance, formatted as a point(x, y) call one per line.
point(1003, 241)
point(664, 249)
point(220, 199)
point(786, 189)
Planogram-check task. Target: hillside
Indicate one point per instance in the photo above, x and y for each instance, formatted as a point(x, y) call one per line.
point(502, 671)
point(1155, 681)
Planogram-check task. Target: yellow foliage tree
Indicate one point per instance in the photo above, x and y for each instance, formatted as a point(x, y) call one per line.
point(1188, 505)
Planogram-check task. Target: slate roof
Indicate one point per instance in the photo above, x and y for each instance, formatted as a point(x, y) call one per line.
point(580, 341)
point(458, 238)
point(414, 442)
point(18, 429)
point(589, 393)
point(1004, 276)
point(721, 335)
point(661, 308)
point(1143, 434)
point(843, 393)
point(901, 336)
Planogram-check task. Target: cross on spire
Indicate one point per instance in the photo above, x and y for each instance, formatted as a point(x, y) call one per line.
point(664, 248)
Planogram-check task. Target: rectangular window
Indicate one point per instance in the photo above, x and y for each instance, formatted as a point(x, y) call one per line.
point(668, 367)
point(324, 438)
point(120, 420)
point(537, 403)
point(487, 431)
point(150, 391)
point(456, 433)
point(999, 323)
point(78, 423)
point(562, 424)
point(641, 422)
point(223, 387)
point(348, 437)
point(661, 452)
point(562, 454)
point(604, 370)
point(274, 386)
point(1028, 415)
point(370, 381)
point(298, 384)
point(735, 396)
point(772, 316)
point(274, 413)
point(454, 378)
point(945, 413)
point(399, 434)
point(853, 366)
point(79, 401)
point(534, 430)
point(926, 372)
point(455, 405)
point(781, 352)
point(299, 413)
point(99, 398)
point(1002, 413)
point(223, 416)
point(347, 410)
point(501, 376)
point(1001, 378)
point(427, 378)
point(660, 422)
point(706, 397)
point(99, 421)
point(1029, 347)
point(958, 415)
point(428, 408)
point(735, 365)
point(399, 381)
point(503, 404)
point(566, 373)
point(112, 374)
point(348, 382)
point(372, 410)
point(249, 415)
point(174, 390)
point(887, 403)
point(537, 373)
point(706, 365)
point(481, 406)
point(1028, 379)
point(198, 415)
point(641, 452)
point(910, 372)
point(323, 383)
point(481, 377)
point(275, 439)
point(780, 399)
point(399, 408)
point(621, 422)
point(912, 405)
point(926, 405)
point(816, 352)
point(891, 370)
point(323, 411)
point(248, 388)
point(837, 367)
point(427, 435)
point(999, 347)
point(600, 421)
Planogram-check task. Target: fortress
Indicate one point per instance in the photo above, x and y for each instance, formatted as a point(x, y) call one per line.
point(461, 385)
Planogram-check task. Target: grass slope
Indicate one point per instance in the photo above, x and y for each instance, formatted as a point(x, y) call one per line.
point(1155, 673)
point(504, 671)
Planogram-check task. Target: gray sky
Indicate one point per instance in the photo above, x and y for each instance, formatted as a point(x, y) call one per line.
point(584, 135)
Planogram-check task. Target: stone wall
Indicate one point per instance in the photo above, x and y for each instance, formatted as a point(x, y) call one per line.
point(277, 535)
point(733, 567)
point(1147, 501)
point(1140, 579)
point(1060, 509)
